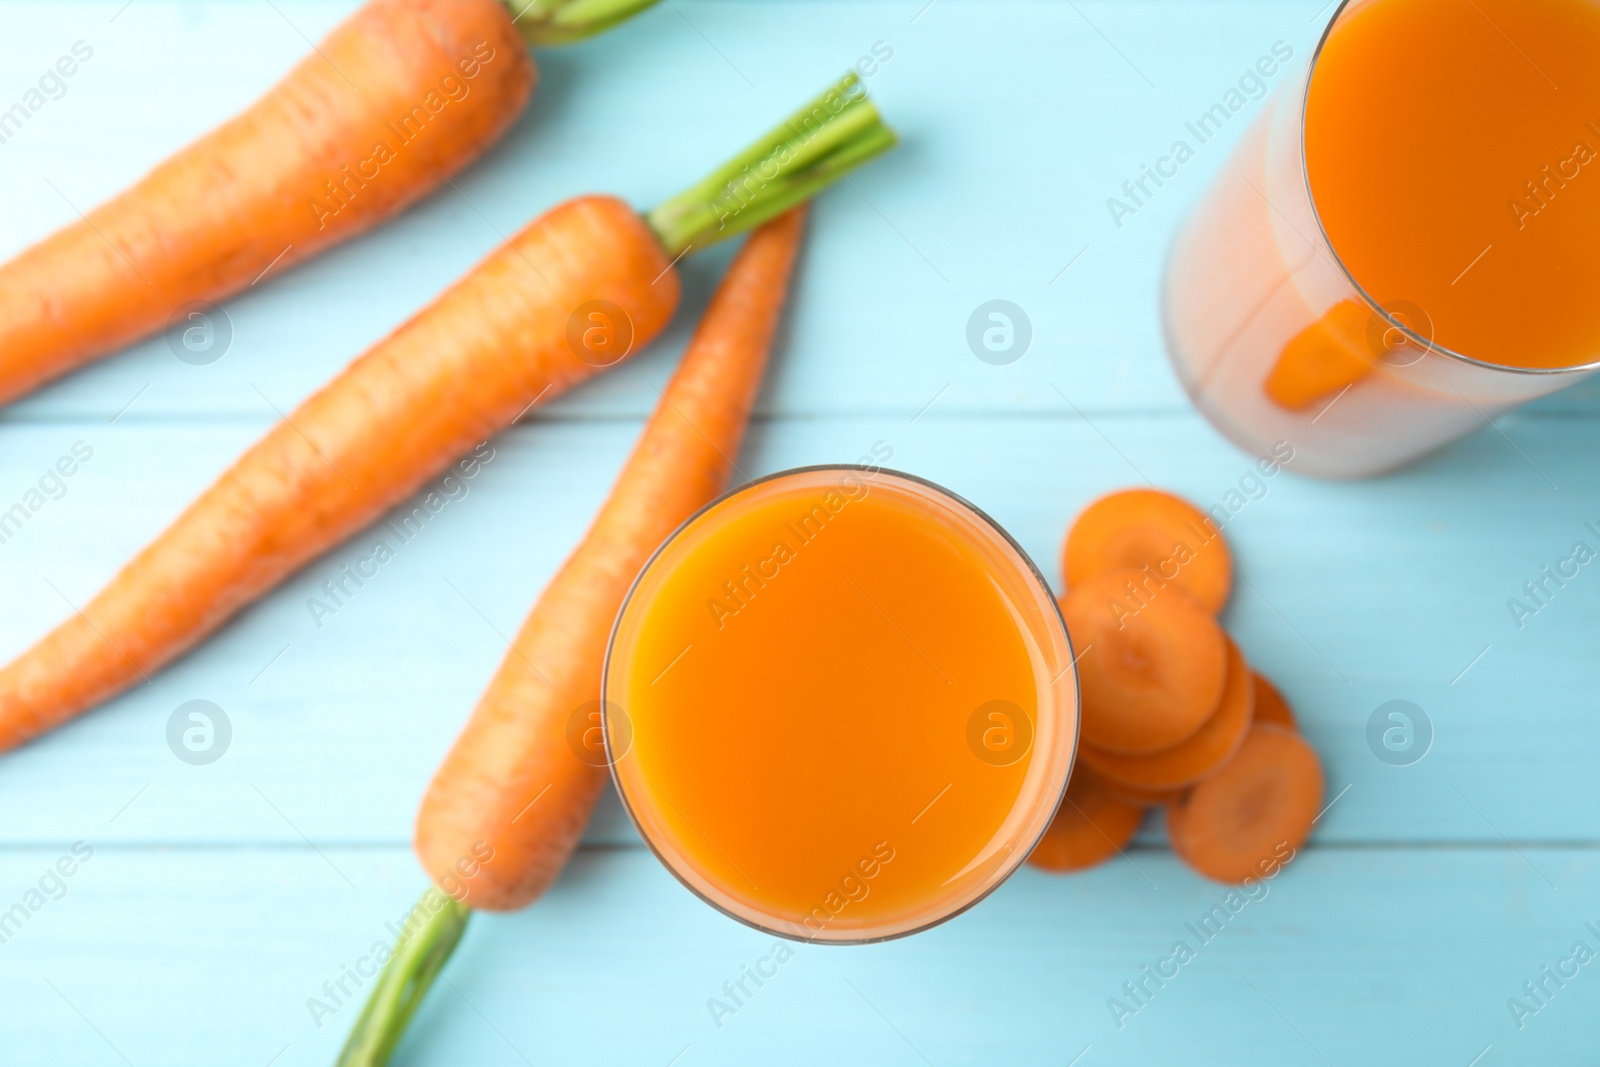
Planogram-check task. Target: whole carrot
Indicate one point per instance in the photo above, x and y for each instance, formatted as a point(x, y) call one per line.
point(507, 806)
point(397, 98)
point(578, 289)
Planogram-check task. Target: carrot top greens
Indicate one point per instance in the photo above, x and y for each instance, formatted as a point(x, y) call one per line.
point(831, 135)
point(551, 22)
point(404, 983)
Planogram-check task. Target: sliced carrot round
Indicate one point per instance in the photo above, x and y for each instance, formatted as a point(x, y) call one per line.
point(1090, 827)
point(1199, 755)
point(1150, 672)
point(1165, 537)
point(1250, 817)
point(1270, 705)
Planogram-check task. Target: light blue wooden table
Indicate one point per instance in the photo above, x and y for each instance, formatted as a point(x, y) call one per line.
point(220, 898)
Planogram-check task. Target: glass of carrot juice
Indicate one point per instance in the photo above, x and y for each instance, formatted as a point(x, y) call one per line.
point(1403, 244)
point(840, 704)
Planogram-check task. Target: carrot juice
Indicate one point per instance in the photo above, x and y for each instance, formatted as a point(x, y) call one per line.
point(1403, 244)
point(840, 704)
point(1444, 78)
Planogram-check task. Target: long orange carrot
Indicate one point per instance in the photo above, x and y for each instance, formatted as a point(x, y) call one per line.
point(507, 806)
point(458, 372)
point(537, 316)
point(397, 98)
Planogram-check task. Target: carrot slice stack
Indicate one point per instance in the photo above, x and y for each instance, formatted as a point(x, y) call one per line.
point(1172, 714)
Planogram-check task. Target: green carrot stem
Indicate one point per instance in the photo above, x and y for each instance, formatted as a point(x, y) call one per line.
point(833, 134)
point(550, 22)
point(419, 955)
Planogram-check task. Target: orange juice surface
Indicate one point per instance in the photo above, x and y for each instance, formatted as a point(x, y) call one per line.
point(832, 687)
point(1453, 153)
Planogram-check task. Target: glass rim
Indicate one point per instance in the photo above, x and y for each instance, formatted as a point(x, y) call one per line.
point(1031, 570)
point(1371, 301)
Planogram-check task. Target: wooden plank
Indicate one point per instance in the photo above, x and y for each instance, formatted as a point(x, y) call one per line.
point(1353, 595)
point(1349, 956)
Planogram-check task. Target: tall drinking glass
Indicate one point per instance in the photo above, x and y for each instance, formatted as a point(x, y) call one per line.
point(1407, 239)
